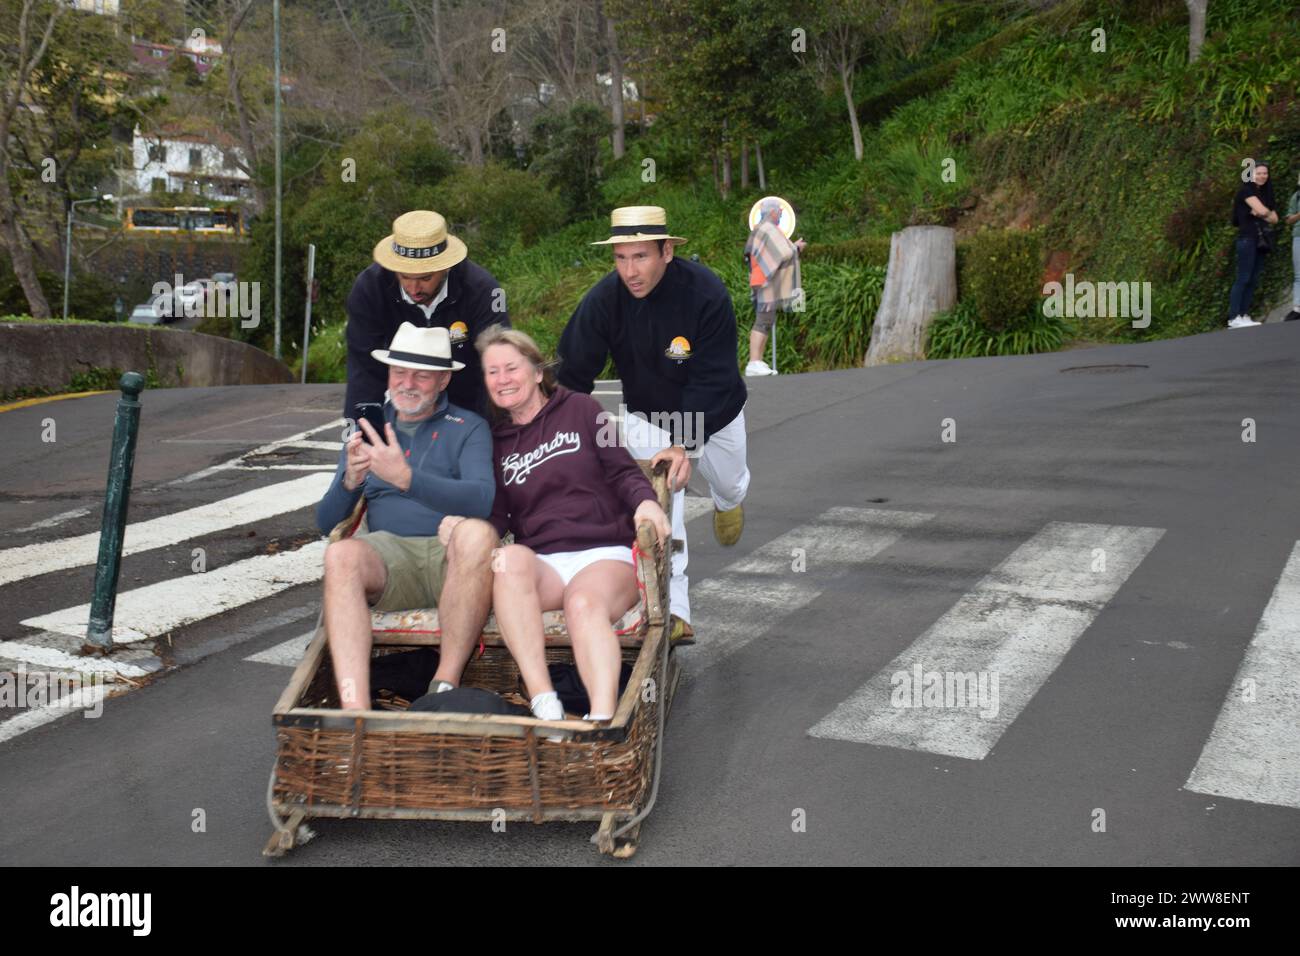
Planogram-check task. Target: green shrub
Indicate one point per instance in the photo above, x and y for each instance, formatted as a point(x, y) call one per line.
point(567, 149)
point(492, 208)
point(960, 333)
point(865, 250)
point(327, 355)
point(999, 273)
point(840, 303)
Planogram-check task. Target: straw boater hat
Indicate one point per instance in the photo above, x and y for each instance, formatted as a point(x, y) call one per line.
point(419, 244)
point(413, 347)
point(638, 224)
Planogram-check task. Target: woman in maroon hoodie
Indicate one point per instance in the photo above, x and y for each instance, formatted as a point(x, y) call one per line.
point(572, 500)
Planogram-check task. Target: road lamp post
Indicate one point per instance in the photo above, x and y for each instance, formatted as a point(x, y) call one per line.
point(67, 246)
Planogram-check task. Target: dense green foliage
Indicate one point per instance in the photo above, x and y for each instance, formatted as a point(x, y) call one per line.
point(1106, 155)
point(999, 273)
point(961, 333)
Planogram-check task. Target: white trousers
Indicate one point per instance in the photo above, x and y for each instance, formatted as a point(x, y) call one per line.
point(722, 462)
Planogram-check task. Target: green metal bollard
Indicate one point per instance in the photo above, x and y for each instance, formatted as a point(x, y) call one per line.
point(121, 462)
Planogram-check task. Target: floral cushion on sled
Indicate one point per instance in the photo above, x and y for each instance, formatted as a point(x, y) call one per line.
point(425, 621)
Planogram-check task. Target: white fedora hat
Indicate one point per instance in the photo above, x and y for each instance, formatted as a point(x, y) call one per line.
point(414, 347)
point(418, 244)
point(638, 224)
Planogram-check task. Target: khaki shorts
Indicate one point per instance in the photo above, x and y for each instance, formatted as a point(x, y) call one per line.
point(416, 567)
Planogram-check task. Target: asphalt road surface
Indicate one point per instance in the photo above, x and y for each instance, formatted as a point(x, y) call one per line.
point(1106, 539)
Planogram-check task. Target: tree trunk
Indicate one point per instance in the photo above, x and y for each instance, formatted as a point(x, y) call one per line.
point(762, 175)
point(921, 281)
point(475, 146)
point(726, 162)
point(615, 88)
point(1196, 30)
point(716, 184)
point(744, 164)
point(846, 79)
point(20, 252)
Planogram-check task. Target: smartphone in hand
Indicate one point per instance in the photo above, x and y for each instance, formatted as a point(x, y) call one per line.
point(372, 412)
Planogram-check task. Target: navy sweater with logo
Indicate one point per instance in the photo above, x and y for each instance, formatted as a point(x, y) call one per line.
point(376, 308)
point(563, 482)
point(450, 456)
point(675, 350)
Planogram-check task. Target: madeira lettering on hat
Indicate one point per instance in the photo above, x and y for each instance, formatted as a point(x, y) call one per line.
point(419, 244)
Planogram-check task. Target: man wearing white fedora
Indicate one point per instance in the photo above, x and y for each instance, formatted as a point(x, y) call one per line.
point(670, 328)
point(420, 275)
point(432, 459)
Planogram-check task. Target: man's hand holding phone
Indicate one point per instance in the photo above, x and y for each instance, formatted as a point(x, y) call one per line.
point(358, 465)
point(385, 456)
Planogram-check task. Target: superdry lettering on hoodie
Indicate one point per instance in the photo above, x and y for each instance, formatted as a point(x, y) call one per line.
point(558, 487)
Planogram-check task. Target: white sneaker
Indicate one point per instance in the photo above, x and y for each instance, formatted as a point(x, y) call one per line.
point(1241, 322)
point(547, 706)
point(758, 368)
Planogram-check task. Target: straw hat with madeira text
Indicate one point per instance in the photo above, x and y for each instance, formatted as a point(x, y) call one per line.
point(419, 244)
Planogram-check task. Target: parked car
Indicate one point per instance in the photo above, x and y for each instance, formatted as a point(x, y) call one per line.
point(153, 312)
point(191, 298)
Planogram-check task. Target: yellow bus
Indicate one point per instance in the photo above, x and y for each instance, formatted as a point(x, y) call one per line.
point(200, 219)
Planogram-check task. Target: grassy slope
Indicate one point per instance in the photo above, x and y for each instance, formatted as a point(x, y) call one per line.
point(1125, 159)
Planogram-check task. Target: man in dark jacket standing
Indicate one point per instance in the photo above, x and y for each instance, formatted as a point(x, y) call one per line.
point(671, 330)
point(420, 275)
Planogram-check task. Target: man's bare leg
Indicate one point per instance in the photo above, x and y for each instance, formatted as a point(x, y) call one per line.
point(354, 576)
point(466, 595)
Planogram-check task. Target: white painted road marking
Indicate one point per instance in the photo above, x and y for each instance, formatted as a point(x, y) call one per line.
point(83, 698)
point(268, 448)
point(53, 657)
point(748, 596)
point(257, 505)
point(1254, 750)
point(1017, 624)
point(53, 521)
point(158, 609)
point(286, 654)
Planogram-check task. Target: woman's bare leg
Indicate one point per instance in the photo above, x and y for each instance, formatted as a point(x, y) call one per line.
point(598, 596)
point(522, 588)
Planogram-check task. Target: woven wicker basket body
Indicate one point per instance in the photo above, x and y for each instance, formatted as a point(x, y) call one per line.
point(397, 764)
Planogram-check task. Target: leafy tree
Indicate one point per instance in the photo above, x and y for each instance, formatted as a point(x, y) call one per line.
point(567, 155)
point(66, 84)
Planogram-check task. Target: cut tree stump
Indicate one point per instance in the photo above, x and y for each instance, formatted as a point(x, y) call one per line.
point(921, 281)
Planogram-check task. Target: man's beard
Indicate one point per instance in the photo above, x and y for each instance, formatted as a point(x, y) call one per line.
point(424, 404)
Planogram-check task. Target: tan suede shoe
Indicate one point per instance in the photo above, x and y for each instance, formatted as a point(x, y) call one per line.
point(727, 525)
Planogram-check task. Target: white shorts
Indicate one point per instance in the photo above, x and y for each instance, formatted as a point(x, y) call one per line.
point(567, 564)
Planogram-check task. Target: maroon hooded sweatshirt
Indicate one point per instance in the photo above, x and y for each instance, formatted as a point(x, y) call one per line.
point(559, 488)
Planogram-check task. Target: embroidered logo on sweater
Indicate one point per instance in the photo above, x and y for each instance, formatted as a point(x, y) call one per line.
point(679, 349)
point(516, 467)
point(458, 331)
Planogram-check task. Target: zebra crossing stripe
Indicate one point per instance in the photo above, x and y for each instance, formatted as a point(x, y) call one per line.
point(960, 685)
point(743, 601)
point(1254, 750)
point(257, 505)
point(158, 609)
point(286, 654)
point(83, 698)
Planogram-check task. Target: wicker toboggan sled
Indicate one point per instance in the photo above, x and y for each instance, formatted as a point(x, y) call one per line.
point(393, 764)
